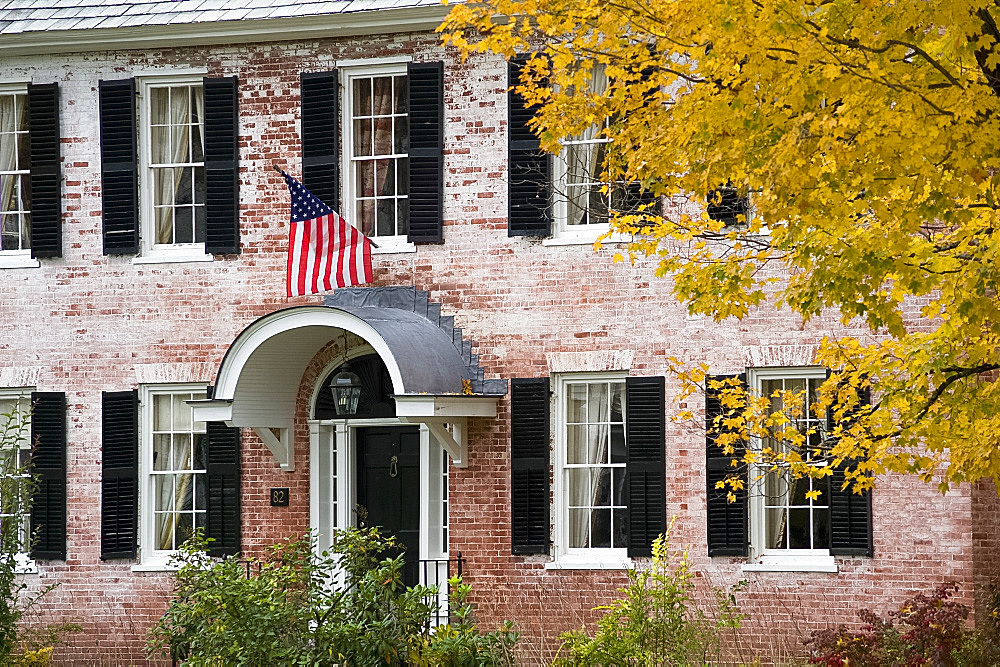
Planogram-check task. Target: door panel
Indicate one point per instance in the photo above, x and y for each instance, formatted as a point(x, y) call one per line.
point(389, 486)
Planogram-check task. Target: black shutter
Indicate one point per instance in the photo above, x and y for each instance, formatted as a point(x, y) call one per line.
point(529, 465)
point(222, 173)
point(320, 137)
point(645, 464)
point(119, 167)
point(529, 206)
point(120, 474)
point(850, 513)
point(727, 521)
point(426, 153)
point(48, 467)
point(46, 174)
point(223, 480)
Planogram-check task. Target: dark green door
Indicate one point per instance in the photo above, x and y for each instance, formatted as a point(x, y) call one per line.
point(389, 486)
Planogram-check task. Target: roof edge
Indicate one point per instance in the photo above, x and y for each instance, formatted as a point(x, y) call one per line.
point(241, 31)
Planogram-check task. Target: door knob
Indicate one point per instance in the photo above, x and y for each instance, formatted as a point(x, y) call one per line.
point(394, 466)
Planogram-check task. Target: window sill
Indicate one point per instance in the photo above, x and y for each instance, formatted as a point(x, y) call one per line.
point(392, 245)
point(570, 238)
point(165, 257)
point(25, 565)
point(18, 260)
point(803, 563)
point(156, 566)
point(570, 563)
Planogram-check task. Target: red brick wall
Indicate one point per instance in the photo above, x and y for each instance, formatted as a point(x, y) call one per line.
point(88, 323)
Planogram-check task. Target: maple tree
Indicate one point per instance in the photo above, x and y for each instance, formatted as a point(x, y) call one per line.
point(867, 134)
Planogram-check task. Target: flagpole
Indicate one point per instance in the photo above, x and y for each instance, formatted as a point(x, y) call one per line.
point(281, 171)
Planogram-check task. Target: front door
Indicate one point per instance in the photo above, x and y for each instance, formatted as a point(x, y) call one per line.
point(389, 486)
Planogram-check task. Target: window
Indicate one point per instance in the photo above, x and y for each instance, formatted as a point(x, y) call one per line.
point(786, 522)
point(592, 512)
point(582, 200)
point(729, 205)
point(174, 460)
point(14, 459)
point(376, 141)
point(15, 183)
point(172, 174)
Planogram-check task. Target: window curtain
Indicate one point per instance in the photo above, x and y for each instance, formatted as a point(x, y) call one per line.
point(374, 177)
point(14, 228)
point(584, 162)
point(174, 109)
point(585, 490)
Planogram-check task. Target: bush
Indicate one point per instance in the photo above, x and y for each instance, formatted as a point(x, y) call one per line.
point(925, 630)
point(347, 608)
point(657, 622)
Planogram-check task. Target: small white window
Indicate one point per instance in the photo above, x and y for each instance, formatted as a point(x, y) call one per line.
point(790, 529)
point(15, 182)
point(376, 144)
point(582, 200)
point(172, 173)
point(15, 424)
point(174, 451)
point(591, 510)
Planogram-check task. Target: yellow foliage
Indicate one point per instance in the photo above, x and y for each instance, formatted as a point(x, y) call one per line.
point(869, 134)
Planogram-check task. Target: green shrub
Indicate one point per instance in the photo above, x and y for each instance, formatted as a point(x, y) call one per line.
point(296, 608)
point(657, 622)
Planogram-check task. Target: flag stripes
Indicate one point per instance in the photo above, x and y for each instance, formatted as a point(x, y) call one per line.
point(323, 253)
point(324, 250)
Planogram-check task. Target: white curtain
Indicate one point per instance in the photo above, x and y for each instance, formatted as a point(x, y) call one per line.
point(13, 117)
point(584, 490)
point(172, 106)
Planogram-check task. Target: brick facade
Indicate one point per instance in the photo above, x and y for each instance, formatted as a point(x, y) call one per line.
point(87, 323)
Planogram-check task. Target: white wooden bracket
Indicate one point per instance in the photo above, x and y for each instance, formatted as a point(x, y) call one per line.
point(280, 445)
point(450, 433)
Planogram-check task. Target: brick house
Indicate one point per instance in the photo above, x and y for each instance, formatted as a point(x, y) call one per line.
point(513, 380)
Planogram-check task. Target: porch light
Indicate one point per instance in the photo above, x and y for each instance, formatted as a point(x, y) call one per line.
point(346, 388)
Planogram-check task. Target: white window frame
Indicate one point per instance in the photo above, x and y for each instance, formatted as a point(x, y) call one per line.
point(778, 560)
point(386, 244)
point(25, 564)
point(151, 559)
point(580, 558)
point(152, 252)
point(17, 259)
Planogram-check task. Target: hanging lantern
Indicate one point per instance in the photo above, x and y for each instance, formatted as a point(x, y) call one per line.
point(346, 388)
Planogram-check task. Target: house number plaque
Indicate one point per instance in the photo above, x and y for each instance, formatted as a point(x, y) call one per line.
point(279, 497)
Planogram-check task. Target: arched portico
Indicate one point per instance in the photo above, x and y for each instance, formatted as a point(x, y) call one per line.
point(259, 377)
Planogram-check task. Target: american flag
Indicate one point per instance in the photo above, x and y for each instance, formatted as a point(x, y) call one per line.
point(323, 249)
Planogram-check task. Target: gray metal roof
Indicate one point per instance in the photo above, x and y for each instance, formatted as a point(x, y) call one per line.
point(24, 16)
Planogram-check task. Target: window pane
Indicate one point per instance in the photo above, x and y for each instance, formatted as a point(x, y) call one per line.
point(619, 532)
point(601, 487)
point(163, 492)
point(798, 529)
point(598, 403)
point(403, 175)
point(385, 212)
point(775, 528)
point(164, 526)
point(401, 134)
point(365, 178)
point(185, 527)
point(402, 216)
point(161, 412)
point(797, 491)
point(161, 452)
point(597, 443)
point(578, 482)
point(185, 492)
point(180, 144)
point(576, 444)
point(200, 450)
point(618, 487)
point(618, 449)
point(182, 451)
point(821, 529)
point(401, 92)
point(362, 137)
point(366, 216)
point(600, 528)
point(579, 528)
point(362, 97)
point(183, 225)
point(576, 403)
